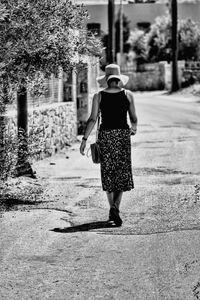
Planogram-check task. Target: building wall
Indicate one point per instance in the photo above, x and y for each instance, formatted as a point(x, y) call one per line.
point(149, 77)
point(141, 13)
point(86, 87)
point(158, 76)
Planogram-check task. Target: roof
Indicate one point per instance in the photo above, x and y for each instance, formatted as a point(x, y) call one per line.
point(105, 2)
point(179, 1)
point(98, 2)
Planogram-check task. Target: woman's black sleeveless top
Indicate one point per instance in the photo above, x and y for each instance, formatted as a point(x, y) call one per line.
point(114, 108)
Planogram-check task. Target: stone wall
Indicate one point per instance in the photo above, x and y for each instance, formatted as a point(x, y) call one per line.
point(168, 73)
point(53, 127)
point(147, 77)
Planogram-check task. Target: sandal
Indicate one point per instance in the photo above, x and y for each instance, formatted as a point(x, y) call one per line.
point(114, 216)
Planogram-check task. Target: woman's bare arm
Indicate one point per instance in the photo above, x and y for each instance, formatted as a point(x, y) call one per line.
point(132, 113)
point(90, 122)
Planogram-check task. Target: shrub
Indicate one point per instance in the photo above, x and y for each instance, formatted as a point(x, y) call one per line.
point(189, 39)
point(137, 40)
point(158, 39)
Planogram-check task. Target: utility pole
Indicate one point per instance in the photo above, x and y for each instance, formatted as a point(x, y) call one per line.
point(121, 30)
point(111, 31)
point(174, 16)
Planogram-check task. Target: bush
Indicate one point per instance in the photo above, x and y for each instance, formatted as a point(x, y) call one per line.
point(189, 38)
point(158, 40)
point(137, 40)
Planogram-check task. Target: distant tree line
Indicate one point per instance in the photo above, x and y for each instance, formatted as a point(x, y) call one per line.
point(154, 44)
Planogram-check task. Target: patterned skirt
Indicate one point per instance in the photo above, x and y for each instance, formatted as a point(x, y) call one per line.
point(116, 170)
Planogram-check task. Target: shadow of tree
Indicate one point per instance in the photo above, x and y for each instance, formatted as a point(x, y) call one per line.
point(9, 203)
point(85, 227)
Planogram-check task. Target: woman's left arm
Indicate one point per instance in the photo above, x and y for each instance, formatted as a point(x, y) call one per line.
point(90, 122)
point(132, 113)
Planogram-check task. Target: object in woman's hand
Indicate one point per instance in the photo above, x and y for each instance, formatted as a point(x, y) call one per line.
point(95, 152)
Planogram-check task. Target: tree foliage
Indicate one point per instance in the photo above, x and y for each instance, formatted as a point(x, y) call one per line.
point(38, 37)
point(189, 37)
point(137, 42)
point(158, 39)
point(155, 45)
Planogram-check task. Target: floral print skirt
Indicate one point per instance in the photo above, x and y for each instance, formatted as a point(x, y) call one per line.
point(116, 170)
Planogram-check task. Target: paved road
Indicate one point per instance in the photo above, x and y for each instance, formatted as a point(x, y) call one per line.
point(62, 249)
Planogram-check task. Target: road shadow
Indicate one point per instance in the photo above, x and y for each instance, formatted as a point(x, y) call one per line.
point(85, 227)
point(11, 202)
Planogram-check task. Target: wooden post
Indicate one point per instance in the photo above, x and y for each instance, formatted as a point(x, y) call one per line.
point(121, 31)
point(111, 31)
point(23, 166)
point(174, 16)
point(22, 110)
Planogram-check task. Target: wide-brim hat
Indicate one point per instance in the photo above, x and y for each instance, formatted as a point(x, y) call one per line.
point(112, 71)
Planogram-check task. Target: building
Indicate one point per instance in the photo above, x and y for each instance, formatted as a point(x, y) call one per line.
point(138, 13)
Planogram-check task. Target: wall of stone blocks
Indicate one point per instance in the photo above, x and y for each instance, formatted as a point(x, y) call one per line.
point(51, 127)
point(149, 77)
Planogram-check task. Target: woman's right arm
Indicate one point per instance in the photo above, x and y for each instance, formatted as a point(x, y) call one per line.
point(90, 122)
point(132, 113)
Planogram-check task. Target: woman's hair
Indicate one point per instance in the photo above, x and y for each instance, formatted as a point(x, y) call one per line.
point(112, 80)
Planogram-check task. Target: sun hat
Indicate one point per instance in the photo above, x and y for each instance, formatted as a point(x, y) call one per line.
point(112, 71)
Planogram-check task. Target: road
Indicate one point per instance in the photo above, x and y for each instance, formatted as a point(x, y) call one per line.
point(62, 248)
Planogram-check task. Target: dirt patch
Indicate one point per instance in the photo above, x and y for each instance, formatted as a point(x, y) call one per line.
point(22, 191)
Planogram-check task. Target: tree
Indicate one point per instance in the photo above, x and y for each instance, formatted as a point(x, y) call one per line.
point(156, 44)
point(37, 38)
point(138, 43)
point(189, 40)
point(159, 39)
point(126, 34)
point(106, 39)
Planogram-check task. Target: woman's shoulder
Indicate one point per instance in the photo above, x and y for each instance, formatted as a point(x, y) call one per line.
point(129, 94)
point(97, 97)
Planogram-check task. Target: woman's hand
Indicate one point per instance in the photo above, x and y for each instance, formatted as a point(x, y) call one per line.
point(82, 147)
point(133, 131)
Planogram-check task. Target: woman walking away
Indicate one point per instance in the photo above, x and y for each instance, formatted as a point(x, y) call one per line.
point(114, 104)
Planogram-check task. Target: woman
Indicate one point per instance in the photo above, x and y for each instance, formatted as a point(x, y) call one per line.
point(113, 103)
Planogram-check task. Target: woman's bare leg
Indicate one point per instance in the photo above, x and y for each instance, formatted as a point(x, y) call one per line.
point(110, 198)
point(114, 210)
point(117, 197)
point(114, 199)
